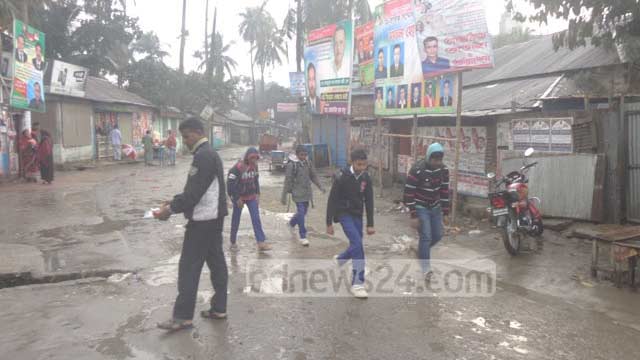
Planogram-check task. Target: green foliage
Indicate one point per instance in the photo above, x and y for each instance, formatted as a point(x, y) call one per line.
point(605, 22)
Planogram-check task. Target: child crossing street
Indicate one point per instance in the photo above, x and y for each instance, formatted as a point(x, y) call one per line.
point(426, 193)
point(244, 189)
point(299, 176)
point(351, 192)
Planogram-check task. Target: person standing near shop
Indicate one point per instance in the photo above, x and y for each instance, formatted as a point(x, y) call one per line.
point(204, 203)
point(116, 143)
point(171, 144)
point(45, 157)
point(147, 141)
point(300, 174)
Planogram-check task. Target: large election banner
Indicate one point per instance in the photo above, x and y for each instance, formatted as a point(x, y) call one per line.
point(363, 75)
point(29, 66)
point(452, 36)
point(400, 86)
point(328, 57)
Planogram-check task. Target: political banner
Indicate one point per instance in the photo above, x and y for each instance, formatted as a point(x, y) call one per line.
point(543, 134)
point(452, 36)
point(29, 66)
point(287, 107)
point(297, 85)
point(68, 79)
point(328, 56)
point(363, 76)
point(400, 87)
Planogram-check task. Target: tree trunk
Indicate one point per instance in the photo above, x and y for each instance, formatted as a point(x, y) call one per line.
point(212, 46)
point(206, 37)
point(253, 82)
point(299, 36)
point(183, 35)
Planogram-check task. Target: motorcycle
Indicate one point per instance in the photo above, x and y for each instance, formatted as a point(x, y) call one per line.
point(513, 211)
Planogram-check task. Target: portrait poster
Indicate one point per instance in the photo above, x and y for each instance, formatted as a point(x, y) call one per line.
point(452, 36)
point(400, 87)
point(29, 66)
point(328, 56)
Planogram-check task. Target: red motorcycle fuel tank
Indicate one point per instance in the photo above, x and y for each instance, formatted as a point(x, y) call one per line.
point(522, 190)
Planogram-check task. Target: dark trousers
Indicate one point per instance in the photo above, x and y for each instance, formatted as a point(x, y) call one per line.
point(202, 243)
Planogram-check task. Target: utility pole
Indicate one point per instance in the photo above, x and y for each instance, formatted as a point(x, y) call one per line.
point(212, 47)
point(299, 34)
point(206, 37)
point(183, 35)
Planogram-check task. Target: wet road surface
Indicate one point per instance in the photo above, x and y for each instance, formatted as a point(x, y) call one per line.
point(545, 305)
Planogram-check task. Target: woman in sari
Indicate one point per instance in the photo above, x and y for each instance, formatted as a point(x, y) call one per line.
point(45, 157)
point(28, 156)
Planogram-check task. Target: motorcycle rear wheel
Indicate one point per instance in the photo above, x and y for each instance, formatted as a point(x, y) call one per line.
point(510, 236)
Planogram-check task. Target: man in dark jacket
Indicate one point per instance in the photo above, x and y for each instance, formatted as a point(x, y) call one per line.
point(244, 189)
point(300, 174)
point(204, 203)
point(351, 192)
point(426, 193)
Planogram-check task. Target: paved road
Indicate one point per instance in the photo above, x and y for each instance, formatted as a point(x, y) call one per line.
point(544, 306)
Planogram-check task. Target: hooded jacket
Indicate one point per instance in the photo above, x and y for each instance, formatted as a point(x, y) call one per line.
point(299, 176)
point(242, 180)
point(426, 186)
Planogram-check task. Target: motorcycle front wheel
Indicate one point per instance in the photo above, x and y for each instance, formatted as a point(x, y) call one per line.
point(510, 236)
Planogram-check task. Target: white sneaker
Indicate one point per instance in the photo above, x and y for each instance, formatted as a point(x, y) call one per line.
point(304, 242)
point(359, 291)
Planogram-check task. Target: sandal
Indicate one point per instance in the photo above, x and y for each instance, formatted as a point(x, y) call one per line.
point(175, 325)
point(210, 314)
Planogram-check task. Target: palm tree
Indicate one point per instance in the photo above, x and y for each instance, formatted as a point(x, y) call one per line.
point(250, 27)
point(270, 45)
point(218, 57)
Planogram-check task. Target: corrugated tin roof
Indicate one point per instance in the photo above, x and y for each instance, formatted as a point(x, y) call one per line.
point(500, 95)
point(537, 57)
point(103, 91)
point(235, 115)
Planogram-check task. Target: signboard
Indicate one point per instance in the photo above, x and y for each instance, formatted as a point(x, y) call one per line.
point(287, 107)
point(363, 75)
point(544, 134)
point(472, 178)
point(29, 66)
point(297, 85)
point(68, 79)
point(400, 87)
point(452, 36)
point(328, 68)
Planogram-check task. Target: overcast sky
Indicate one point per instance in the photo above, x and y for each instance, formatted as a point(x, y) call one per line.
point(164, 18)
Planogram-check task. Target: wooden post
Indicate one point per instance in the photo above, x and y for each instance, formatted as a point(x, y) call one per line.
point(414, 139)
point(454, 183)
point(348, 137)
point(380, 155)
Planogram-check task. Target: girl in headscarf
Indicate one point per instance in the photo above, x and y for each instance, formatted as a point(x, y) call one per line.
point(28, 155)
point(45, 156)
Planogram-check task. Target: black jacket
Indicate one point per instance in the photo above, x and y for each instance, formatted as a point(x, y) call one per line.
point(204, 197)
point(349, 195)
